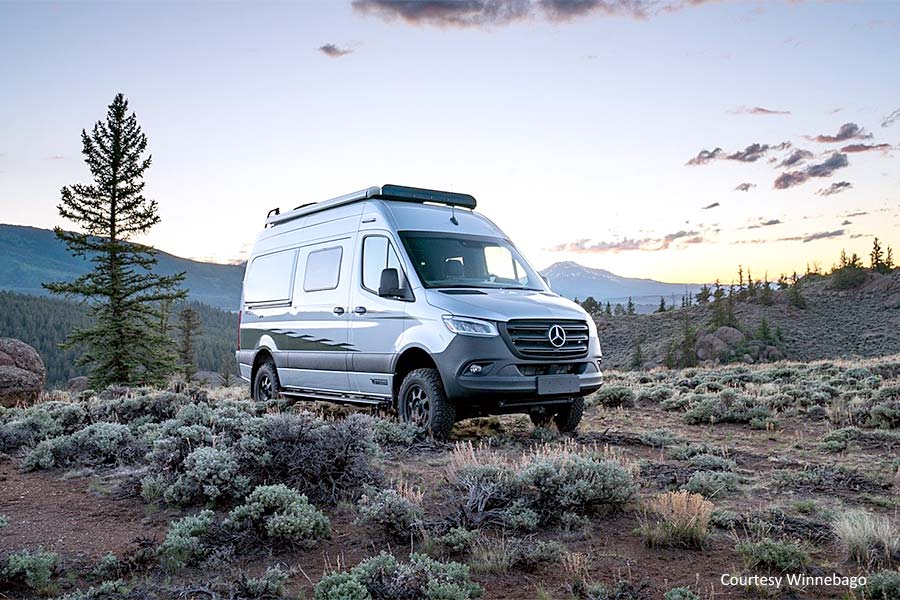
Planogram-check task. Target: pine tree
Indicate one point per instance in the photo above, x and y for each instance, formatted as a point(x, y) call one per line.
point(637, 357)
point(608, 309)
point(765, 292)
point(889, 260)
point(703, 295)
point(124, 344)
point(618, 310)
point(795, 293)
point(590, 305)
point(629, 310)
point(783, 282)
point(740, 280)
point(687, 351)
point(188, 328)
point(764, 332)
point(227, 377)
point(876, 257)
point(662, 305)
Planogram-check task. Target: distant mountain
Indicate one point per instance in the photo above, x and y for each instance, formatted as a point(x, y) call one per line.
point(30, 256)
point(577, 281)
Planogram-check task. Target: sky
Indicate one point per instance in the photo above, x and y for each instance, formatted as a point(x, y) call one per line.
point(671, 139)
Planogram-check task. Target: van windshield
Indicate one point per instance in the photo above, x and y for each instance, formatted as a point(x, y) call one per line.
point(450, 260)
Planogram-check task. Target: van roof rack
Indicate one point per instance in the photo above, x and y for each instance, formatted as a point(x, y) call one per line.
point(399, 193)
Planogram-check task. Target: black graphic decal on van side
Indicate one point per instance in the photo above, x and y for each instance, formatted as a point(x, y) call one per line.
point(289, 339)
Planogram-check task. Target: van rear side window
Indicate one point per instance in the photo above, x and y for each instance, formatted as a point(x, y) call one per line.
point(323, 270)
point(269, 277)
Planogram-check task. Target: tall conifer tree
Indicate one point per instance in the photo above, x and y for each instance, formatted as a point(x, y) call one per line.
point(124, 344)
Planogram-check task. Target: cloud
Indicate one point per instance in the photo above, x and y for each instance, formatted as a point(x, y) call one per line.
point(496, 13)
point(848, 131)
point(767, 223)
point(647, 244)
point(823, 169)
point(866, 147)
point(744, 187)
point(846, 222)
point(859, 213)
point(709, 206)
point(797, 157)
point(891, 118)
point(704, 156)
point(811, 237)
point(835, 188)
point(751, 153)
point(333, 51)
point(757, 110)
point(56, 157)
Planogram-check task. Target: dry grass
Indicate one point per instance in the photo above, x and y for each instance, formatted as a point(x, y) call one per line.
point(867, 539)
point(676, 519)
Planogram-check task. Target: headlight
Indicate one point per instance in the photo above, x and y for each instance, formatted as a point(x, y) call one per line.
point(468, 326)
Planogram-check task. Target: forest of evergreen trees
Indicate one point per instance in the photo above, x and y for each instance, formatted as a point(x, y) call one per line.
point(45, 322)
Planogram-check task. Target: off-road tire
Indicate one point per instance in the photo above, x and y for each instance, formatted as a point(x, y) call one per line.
point(266, 373)
point(441, 412)
point(569, 416)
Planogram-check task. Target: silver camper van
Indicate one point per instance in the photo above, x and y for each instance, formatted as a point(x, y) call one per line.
point(408, 298)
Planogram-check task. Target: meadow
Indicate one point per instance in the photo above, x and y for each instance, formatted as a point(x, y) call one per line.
point(675, 478)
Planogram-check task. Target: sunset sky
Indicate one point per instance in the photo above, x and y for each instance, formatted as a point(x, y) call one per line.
point(588, 131)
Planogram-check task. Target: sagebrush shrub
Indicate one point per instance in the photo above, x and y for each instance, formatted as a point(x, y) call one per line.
point(393, 513)
point(612, 396)
point(186, 540)
point(391, 433)
point(711, 483)
point(883, 585)
point(33, 569)
point(680, 593)
point(97, 444)
point(279, 514)
point(782, 556)
point(458, 540)
point(383, 577)
point(209, 475)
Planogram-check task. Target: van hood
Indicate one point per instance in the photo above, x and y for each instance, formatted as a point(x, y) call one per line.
point(503, 305)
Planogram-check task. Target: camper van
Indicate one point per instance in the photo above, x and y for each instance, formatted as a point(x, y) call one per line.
point(407, 298)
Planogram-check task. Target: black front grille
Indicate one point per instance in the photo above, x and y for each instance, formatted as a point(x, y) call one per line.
point(530, 338)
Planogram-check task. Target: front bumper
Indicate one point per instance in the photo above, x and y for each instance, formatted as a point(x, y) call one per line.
point(506, 381)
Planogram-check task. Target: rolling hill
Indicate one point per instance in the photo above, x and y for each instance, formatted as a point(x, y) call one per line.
point(30, 256)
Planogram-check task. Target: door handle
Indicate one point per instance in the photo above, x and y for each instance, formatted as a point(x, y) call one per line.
point(360, 310)
point(338, 310)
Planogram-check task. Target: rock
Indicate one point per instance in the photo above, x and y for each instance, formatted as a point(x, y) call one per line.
point(77, 384)
point(710, 347)
point(730, 335)
point(772, 354)
point(747, 359)
point(22, 373)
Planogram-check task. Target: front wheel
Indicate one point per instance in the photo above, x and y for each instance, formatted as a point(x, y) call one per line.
point(422, 401)
point(569, 416)
point(265, 384)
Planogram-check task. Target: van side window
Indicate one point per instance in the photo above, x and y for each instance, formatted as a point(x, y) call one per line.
point(323, 269)
point(378, 254)
point(269, 277)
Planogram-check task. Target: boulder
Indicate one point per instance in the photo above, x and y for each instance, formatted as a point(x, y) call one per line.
point(22, 373)
point(77, 384)
point(730, 335)
point(747, 359)
point(772, 354)
point(710, 347)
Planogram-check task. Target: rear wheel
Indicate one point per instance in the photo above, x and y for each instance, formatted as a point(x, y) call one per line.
point(569, 416)
point(422, 401)
point(265, 384)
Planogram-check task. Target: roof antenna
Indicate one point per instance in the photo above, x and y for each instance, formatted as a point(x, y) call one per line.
point(453, 215)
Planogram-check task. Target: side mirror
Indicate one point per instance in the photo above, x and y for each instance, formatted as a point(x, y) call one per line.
point(389, 287)
point(546, 280)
